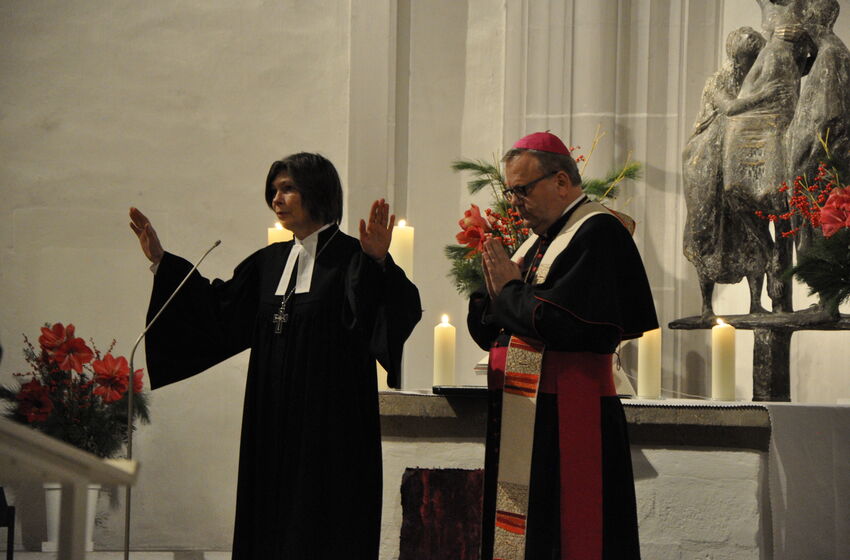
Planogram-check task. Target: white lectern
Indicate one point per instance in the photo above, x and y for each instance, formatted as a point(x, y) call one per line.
point(26, 454)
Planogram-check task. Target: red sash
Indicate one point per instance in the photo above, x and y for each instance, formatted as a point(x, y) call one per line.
point(578, 379)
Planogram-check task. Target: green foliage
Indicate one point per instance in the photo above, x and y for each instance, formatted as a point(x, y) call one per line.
point(484, 175)
point(466, 269)
point(825, 268)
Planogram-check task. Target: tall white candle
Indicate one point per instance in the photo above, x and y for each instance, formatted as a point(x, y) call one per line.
point(401, 247)
point(278, 233)
point(444, 353)
point(382, 377)
point(723, 362)
point(649, 365)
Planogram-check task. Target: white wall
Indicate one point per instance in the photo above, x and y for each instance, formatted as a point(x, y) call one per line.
point(179, 108)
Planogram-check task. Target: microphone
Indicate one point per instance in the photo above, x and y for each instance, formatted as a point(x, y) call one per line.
point(130, 393)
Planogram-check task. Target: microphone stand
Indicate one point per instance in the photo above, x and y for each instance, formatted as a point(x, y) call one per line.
point(128, 492)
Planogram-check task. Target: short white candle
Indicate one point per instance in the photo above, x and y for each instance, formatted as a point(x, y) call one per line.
point(649, 365)
point(401, 247)
point(723, 362)
point(444, 353)
point(278, 233)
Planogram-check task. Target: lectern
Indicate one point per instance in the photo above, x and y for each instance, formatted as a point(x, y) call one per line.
point(28, 455)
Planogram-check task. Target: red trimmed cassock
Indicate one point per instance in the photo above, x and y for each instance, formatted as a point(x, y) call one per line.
point(580, 500)
point(310, 457)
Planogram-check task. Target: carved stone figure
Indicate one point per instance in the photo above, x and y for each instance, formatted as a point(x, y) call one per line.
point(824, 105)
point(712, 231)
point(750, 143)
point(754, 163)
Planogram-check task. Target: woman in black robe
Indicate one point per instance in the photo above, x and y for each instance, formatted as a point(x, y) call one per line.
point(309, 481)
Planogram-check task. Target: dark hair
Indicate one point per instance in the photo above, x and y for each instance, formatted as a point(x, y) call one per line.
point(549, 162)
point(316, 180)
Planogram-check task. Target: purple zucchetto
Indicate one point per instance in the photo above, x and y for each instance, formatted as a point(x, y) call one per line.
point(542, 142)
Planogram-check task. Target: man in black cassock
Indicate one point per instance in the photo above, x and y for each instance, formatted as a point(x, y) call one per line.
point(316, 313)
point(558, 476)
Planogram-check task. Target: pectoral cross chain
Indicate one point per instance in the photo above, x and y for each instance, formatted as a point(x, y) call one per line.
point(282, 316)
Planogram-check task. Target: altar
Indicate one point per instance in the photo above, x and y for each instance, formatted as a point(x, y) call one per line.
point(729, 479)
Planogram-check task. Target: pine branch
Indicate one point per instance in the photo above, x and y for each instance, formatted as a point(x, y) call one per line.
point(476, 166)
point(486, 174)
point(608, 187)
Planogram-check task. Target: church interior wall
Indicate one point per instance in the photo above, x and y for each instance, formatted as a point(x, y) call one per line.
point(179, 109)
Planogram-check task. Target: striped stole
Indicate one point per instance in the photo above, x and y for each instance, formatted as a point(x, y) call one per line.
point(519, 404)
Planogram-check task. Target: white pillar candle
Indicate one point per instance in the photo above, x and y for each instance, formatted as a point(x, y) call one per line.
point(444, 353)
point(278, 233)
point(649, 365)
point(382, 377)
point(401, 247)
point(723, 362)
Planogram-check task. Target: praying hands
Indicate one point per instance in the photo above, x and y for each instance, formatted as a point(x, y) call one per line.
point(499, 269)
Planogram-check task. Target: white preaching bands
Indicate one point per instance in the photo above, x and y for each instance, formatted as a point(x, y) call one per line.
point(307, 249)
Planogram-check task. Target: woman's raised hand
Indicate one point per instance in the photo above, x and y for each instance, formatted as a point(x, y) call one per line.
point(148, 239)
point(375, 236)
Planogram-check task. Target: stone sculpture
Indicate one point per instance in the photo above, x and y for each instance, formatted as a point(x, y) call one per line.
point(753, 134)
point(712, 231)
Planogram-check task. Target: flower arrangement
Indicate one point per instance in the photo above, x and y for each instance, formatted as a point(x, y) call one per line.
point(74, 393)
point(505, 223)
point(820, 211)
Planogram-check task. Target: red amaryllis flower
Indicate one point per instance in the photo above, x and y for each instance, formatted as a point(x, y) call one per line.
point(73, 354)
point(835, 214)
point(472, 237)
point(34, 401)
point(474, 227)
point(54, 337)
point(138, 381)
point(112, 376)
point(472, 217)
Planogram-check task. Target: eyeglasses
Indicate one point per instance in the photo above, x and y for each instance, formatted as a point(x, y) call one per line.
point(521, 191)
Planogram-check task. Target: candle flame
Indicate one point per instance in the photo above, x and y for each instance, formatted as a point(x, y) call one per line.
point(402, 223)
point(445, 319)
point(721, 322)
point(277, 225)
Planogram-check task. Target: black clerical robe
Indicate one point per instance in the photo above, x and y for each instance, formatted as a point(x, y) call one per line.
point(309, 482)
point(595, 295)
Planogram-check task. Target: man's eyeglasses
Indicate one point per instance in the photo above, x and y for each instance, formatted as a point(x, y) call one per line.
point(521, 191)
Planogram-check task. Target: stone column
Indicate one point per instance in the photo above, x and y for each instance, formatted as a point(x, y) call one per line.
point(560, 69)
point(371, 107)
